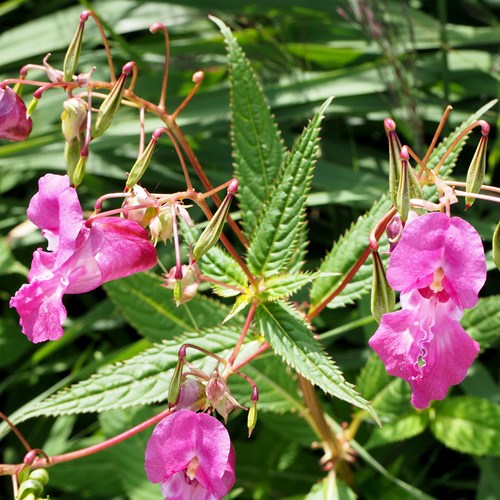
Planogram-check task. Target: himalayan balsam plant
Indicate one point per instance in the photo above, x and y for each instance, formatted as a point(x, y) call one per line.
point(251, 330)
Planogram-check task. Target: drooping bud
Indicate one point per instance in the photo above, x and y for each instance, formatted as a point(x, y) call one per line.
point(161, 226)
point(496, 246)
point(142, 163)
point(32, 488)
point(252, 413)
point(186, 286)
point(216, 389)
point(74, 49)
point(191, 395)
point(73, 118)
point(175, 383)
point(15, 125)
point(477, 168)
point(212, 232)
point(140, 197)
point(111, 103)
point(403, 193)
point(383, 297)
point(394, 230)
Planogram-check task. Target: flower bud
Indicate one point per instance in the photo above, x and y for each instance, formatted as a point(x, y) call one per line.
point(73, 52)
point(111, 103)
point(496, 246)
point(15, 124)
point(394, 230)
point(191, 395)
point(477, 168)
point(54, 75)
point(73, 118)
point(383, 297)
point(143, 215)
point(186, 287)
point(161, 226)
point(216, 389)
point(212, 232)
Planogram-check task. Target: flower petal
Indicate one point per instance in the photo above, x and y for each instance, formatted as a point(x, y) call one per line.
point(435, 240)
point(121, 247)
point(426, 346)
point(55, 209)
point(14, 124)
point(39, 303)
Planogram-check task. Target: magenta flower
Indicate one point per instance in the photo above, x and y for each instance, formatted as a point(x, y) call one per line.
point(439, 267)
point(191, 455)
point(79, 259)
point(14, 124)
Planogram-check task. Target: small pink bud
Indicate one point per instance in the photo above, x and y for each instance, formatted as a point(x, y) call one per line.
point(198, 77)
point(233, 187)
point(389, 125)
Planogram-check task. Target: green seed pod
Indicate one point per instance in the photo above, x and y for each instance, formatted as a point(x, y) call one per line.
point(79, 172)
point(496, 246)
point(212, 232)
point(111, 103)
point(383, 297)
point(142, 163)
point(403, 193)
point(175, 383)
point(74, 49)
point(252, 418)
point(477, 168)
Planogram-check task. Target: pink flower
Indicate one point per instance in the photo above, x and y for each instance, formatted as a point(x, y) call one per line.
point(191, 455)
point(79, 259)
point(439, 267)
point(14, 124)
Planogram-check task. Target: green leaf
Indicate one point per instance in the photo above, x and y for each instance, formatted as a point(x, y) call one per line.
point(282, 286)
point(291, 339)
point(141, 380)
point(8, 263)
point(151, 310)
point(482, 322)
point(279, 231)
point(257, 146)
point(343, 256)
point(373, 377)
point(468, 424)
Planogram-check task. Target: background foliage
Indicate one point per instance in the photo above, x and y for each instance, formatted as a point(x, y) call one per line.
point(426, 55)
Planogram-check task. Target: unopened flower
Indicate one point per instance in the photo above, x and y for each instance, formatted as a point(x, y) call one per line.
point(439, 267)
point(191, 455)
point(188, 284)
point(14, 124)
point(73, 118)
point(79, 259)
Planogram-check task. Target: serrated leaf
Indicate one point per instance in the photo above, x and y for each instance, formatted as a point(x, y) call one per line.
point(293, 341)
point(218, 265)
point(151, 310)
point(343, 256)
point(141, 380)
point(284, 285)
point(482, 322)
point(257, 145)
point(278, 231)
point(239, 304)
point(468, 424)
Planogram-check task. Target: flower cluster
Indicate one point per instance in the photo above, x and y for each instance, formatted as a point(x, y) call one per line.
point(191, 455)
point(80, 257)
point(439, 267)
